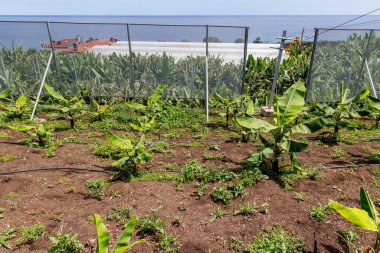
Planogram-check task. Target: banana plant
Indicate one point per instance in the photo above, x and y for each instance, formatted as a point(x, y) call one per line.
point(73, 107)
point(5, 93)
point(144, 124)
point(123, 243)
point(372, 109)
point(132, 155)
point(343, 110)
point(99, 111)
point(154, 107)
point(37, 130)
point(17, 110)
point(286, 109)
point(366, 217)
point(228, 105)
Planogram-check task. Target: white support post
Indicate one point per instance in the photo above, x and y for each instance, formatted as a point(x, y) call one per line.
point(206, 88)
point(41, 86)
point(370, 79)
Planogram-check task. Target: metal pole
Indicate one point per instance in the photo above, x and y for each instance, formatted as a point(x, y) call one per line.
point(277, 69)
point(192, 81)
point(365, 56)
point(56, 70)
point(206, 99)
point(41, 86)
point(311, 63)
point(244, 60)
point(370, 79)
point(131, 64)
point(5, 71)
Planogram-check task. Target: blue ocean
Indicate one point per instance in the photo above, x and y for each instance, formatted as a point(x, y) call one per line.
point(263, 28)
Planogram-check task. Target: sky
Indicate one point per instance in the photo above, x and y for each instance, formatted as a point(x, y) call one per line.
point(187, 7)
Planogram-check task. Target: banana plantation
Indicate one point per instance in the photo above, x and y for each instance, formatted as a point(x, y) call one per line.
point(115, 152)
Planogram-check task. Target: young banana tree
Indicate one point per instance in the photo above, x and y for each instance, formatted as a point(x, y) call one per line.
point(229, 105)
point(144, 124)
point(343, 110)
point(99, 111)
point(154, 107)
point(123, 243)
point(38, 130)
point(132, 155)
point(286, 110)
point(372, 109)
point(366, 217)
point(73, 107)
point(19, 109)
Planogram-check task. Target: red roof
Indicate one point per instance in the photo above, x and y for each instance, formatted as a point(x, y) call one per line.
point(67, 44)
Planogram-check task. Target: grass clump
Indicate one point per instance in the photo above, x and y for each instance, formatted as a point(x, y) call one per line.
point(246, 209)
point(30, 234)
point(65, 243)
point(95, 188)
point(120, 214)
point(7, 158)
point(6, 235)
point(274, 240)
point(319, 212)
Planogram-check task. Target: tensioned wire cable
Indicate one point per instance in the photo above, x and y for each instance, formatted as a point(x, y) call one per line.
point(344, 23)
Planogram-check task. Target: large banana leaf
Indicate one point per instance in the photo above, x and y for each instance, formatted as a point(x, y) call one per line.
point(361, 95)
point(374, 104)
point(293, 146)
point(21, 128)
point(122, 243)
point(358, 217)
point(21, 101)
point(253, 123)
point(290, 104)
point(102, 235)
point(122, 143)
point(5, 93)
point(311, 126)
point(55, 94)
point(367, 205)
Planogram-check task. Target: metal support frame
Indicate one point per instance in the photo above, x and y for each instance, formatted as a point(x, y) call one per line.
point(277, 69)
point(56, 70)
point(42, 85)
point(370, 79)
point(308, 80)
point(206, 88)
point(131, 65)
point(244, 59)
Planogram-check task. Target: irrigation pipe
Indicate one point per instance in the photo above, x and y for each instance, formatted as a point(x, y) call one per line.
point(68, 168)
point(348, 166)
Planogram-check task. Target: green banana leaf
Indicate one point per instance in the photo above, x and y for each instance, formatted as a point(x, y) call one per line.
point(102, 235)
point(290, 104)
point(5, 93)
point(357, 217)
point(253, 123)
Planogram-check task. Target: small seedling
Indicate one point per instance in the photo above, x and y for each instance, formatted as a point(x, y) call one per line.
point(246, 209)
point(30, 234)
point(177, 221)
point(65, 243)
point(319, 212)
point(299, 196)
point(95, 188)
point(120, 214)
point(217, 214)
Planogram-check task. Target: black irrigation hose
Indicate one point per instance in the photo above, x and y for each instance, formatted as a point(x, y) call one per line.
point(53, 168)
point(69, 168)
point(348, 166)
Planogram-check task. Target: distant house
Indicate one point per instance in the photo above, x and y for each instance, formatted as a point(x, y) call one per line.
point(78, 46)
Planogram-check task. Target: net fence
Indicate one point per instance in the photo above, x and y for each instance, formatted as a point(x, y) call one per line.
point(344, 58)
point(122, 60)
